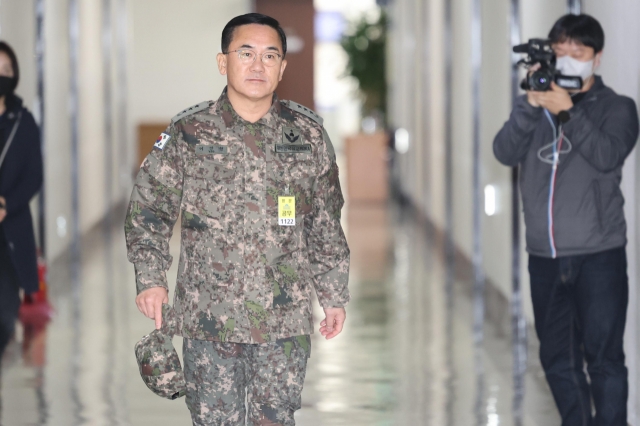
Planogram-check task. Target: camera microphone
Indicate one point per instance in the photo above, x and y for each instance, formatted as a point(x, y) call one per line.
point(521, 48)
point(563, 116)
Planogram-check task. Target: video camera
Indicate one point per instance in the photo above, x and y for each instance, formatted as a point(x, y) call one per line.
point(539, 51)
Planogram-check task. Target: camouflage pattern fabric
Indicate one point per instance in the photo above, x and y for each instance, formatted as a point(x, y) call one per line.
point(158, 360)
point(242, 277)
point(270, 376)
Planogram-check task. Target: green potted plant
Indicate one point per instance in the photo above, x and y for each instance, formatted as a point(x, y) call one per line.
point(365, 45)
point(366, 153)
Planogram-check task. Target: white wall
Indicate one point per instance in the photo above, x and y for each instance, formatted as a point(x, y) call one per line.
point(57, 128)
point(621, 71)
point(17, 27)
point(174, 54)
point(91, 120)
point(462, 132)
point(416, 87)
point(418, 101)
point(495, 108)
point(402, 87)
point(432, 161)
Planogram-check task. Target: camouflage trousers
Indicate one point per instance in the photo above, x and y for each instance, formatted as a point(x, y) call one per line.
point(230, 382)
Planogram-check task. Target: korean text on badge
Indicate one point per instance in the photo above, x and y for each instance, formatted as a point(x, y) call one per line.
point(287, 211)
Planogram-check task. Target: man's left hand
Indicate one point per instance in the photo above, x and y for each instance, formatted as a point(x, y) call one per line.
point(332, 325)
point(555, 100)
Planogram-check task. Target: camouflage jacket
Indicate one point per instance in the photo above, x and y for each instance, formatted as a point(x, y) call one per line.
point(242, 277)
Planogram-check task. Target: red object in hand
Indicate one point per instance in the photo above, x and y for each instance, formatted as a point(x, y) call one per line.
point(35, 308)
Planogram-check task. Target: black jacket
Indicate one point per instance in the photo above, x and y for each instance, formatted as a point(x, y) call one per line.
point(576, 208)
point(20, 180)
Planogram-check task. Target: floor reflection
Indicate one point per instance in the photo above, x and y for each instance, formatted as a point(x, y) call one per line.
point(406, 357)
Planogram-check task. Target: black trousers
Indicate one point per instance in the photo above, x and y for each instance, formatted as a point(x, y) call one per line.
point(580, 308)
point(9, 296)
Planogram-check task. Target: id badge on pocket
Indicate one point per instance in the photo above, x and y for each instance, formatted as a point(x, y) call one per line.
point(287, 211)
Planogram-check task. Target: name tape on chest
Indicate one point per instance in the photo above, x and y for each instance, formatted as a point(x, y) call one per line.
point(287, 211)
point(211, 149)
point(162, 141)
point(293, 149)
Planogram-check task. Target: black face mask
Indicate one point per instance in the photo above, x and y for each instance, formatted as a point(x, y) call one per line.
point(6, 85)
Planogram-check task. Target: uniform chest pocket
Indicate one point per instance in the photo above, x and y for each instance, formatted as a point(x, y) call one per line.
point(292, 174)
point(209, 185)
point(292, 167)
point(210, 168)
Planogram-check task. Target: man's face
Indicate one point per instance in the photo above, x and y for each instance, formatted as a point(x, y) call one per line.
point(253, 80)
point(577, 51)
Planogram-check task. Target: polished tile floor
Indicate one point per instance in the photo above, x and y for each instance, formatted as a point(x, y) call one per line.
point(407, 356)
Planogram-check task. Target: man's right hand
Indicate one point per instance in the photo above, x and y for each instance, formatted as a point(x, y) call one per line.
point(532, 98)
point(150, 302)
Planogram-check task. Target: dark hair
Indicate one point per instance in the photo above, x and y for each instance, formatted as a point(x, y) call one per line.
point(583, 29)
point(4, 47)
point(252, 18)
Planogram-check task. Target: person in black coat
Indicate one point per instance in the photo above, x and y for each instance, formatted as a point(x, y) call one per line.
point(20, 180)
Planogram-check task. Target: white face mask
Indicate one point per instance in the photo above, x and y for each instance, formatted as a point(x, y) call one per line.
point(572, 67)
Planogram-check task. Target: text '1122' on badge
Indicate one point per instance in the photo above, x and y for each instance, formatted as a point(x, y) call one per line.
point(286, 211)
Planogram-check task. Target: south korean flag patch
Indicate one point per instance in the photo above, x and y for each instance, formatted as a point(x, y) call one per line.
point(162, 141)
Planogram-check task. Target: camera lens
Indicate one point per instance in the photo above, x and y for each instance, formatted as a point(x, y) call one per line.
point(540, 81)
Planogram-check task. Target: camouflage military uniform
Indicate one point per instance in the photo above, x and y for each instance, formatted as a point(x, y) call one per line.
point(242, 278)
point(220, 375)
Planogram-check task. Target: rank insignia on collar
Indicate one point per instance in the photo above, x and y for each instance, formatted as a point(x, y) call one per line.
point(291, 135)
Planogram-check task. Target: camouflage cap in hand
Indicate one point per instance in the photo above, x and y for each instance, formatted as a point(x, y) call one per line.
point(158, 360)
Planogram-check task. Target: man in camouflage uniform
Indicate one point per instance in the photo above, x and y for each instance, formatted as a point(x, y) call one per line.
point(255, 182)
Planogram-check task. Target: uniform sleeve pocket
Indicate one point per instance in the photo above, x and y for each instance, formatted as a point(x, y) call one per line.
point(153, 166)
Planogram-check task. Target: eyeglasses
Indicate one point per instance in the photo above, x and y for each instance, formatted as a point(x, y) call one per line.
point(269, 59)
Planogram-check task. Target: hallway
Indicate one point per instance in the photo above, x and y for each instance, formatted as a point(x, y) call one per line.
point(103, 79)
point(406, 356)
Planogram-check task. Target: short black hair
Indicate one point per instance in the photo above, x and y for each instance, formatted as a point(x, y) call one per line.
point(252, 18)
point(583, 29)
point(4, 47)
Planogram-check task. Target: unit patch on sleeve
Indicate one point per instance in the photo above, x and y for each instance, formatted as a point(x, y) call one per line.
point(162, 141)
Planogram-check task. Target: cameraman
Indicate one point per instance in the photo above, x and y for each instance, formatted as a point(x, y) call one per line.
point(575, 225)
